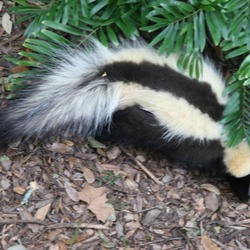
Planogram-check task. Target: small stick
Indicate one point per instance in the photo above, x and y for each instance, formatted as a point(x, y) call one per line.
point(13, 38)
point(141, 166)
point(55, 226)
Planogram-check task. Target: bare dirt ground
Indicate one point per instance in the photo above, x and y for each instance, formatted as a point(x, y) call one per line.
point(73, 194)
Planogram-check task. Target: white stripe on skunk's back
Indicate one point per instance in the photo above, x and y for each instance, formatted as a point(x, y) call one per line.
point(140, 54)
point(181, 119)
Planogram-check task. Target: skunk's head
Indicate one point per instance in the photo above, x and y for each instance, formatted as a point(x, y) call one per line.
point(237, 160)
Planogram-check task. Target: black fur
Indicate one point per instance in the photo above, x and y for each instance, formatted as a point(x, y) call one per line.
point(164, 78)
point(127, 128)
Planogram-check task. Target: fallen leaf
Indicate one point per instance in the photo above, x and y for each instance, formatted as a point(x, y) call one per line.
point(19, 190)
point(211, 188)
point(53, 234)
point(132, 185)
point(26, 215)
point(113, 153)
point(97, 202)
point(17, 247)
point(34, 185)
point(54, 247)
point(42, 212)
point(133, 225)
point(18, 69)
point(110, 167)
point(199, 204)
point(242, 206)
point(72, 193)
point(5, 183)
point(150, 217)
point(62, 245)
point(208, 244)
point(102, 209)
point(7, 23)
point(71, 161)
point(5, 162)
point(80, 237)
point(89, 193)
point(88, 175)
point(61, 148)
point(94, 143)
point(69, 143)
point(212, 202)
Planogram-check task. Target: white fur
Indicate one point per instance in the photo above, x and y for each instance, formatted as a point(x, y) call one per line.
point(175, 114)
point(237, 159)
point(95, 103)
point(208, 72)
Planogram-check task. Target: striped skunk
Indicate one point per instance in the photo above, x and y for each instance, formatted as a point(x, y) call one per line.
point(130, 95)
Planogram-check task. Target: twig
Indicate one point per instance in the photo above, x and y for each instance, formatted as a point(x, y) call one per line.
point(151, 208)
point(13, 38)
point(141, 166)
point(4, 222)
point(55, 226)
point(77, 225)
point(232, 223)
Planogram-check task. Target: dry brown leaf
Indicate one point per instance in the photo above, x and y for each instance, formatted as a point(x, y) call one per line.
point(96, 199)
point(149, 218)
point(26, 215)
point(72, 193)
point(34, 185)
point(69, 143)
point(110, 167)
point(113, 153)
point(212, 201)
point(19, 190)
point(52, 235)
point(133, 225)
point(54, 247)
point(62, 245)
point(7, 23)
point(42, 212)
point(79, 238)
point(18, 69)
point(71, 161)
point(61, 148)
point(211, 188)
point(88, 175)
point(208, 244)
point(199, 204)
point(5, 162)
point(5, 183)
point(89, 193)
point(241, 206)
point(132, 185)
point(102, 209)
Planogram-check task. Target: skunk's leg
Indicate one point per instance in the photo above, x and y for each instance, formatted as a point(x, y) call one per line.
point(241, 186)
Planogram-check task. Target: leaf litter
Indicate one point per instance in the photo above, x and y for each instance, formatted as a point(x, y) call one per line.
point(90, 195)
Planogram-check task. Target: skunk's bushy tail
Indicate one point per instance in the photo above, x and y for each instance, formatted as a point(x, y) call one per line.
point(72, 95)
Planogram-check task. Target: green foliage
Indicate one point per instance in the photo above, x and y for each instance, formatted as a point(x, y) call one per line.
point(237, 112)
point(108, 178)
point(182, 27)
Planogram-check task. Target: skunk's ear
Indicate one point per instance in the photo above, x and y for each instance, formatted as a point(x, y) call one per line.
point(241, 186)
point(237, 160)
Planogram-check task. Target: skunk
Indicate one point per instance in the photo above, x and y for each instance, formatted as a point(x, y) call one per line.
point(130, 95)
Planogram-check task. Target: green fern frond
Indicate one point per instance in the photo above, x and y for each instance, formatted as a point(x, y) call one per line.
point(237, 112)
